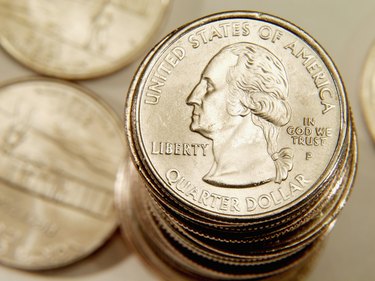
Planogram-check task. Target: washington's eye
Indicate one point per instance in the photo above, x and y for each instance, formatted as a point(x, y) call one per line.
point(209, 86)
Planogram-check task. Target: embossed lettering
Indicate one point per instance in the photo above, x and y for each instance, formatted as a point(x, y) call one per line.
point(308, 155)
point(215, 201)
point(315, 69)
point(276, 197)
point(267, 33)
point(309, 134)
point(212, 33)
point(163, 70)
point(308, 121)
point(183, 149)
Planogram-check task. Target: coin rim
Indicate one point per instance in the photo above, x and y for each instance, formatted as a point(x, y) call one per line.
point(117, 124)
point(120, 63)
point(134, 95)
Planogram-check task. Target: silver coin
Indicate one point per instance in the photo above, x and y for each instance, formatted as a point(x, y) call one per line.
point(239, 125)
point(163, 256)
point(266, 226)
point(78, 39)
point(301, 231)
point(368, 92)
point(134, 219)
point(237, 115)
point(60, 150)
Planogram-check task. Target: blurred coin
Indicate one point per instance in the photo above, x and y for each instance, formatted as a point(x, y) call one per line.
point(135, 224)
point(60, 149)
point(78, 39)
point(368, 92)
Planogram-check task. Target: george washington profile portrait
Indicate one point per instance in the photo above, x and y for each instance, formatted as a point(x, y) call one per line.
point(240, 103)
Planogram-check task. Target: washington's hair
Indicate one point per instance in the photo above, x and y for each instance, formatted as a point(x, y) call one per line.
point(258, 84)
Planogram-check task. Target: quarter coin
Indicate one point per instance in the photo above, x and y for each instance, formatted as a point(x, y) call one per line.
point(253, 129)
point(238, 125)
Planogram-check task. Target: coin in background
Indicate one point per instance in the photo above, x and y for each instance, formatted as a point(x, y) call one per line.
point(60, 149)
point(368, 92)
point(78, 39)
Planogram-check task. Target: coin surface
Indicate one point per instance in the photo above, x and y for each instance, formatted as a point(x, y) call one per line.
point(368, 92)
point(239, 125)
point(78, 39)
point(238, 115)
point(60, 151)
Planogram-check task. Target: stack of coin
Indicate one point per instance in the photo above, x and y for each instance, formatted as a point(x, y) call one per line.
point(239, 127)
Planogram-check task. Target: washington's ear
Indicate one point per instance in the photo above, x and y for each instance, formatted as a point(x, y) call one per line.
point(245, 111)
point(237, 109)
point(271, 108)
point(239, 105)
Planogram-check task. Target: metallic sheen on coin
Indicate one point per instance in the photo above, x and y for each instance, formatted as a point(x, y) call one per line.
point(237, 117)
point(60, 151)
point(75, 39)
point(239, 126)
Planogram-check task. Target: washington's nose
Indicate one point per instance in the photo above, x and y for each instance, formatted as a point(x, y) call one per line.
point(195, 97)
